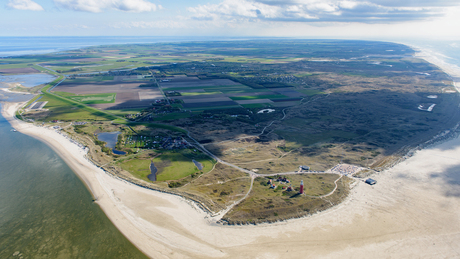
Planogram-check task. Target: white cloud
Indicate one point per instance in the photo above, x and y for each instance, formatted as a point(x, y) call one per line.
point(97, 6)
point(365, 11)
point(24, 5)
point(150, 24)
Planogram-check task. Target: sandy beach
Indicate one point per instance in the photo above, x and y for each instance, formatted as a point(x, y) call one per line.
point(412, 212)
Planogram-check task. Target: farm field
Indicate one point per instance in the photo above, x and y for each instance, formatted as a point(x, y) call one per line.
point(110, 92)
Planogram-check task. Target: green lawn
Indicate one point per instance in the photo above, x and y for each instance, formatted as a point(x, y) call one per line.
point(176, 165)
point(138, 167)
point(94, 98)
point(89, 98)
point(123, 112)
point(171, 165)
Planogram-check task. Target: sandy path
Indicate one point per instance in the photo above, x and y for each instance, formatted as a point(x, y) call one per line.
point(413, 211)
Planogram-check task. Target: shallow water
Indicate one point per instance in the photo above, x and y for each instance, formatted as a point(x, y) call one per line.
point(153, 172)
point(14, 97)
point(46, 211)
point(28, 80)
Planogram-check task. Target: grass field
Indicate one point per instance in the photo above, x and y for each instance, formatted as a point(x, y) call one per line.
point(252, 97)
point(265, 203)
point(125, 111)
point(223, 185)
point(60, 109)
point(176, 165)
point(199, 93)
point(90, 98)
point(256, 105)
point(138, 167)
point(216, 88)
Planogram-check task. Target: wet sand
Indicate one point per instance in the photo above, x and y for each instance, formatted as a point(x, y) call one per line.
point(412, 212)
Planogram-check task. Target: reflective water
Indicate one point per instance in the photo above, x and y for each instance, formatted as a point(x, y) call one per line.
point(28, 80)
point(46, 211)
point(111, 138)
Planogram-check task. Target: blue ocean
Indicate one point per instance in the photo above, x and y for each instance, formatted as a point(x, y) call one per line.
point(16, 46)
point(449, 51)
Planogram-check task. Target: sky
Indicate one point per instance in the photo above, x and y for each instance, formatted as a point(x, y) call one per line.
point(345, 19)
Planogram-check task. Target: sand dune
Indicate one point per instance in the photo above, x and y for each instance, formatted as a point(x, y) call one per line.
point(412, 212)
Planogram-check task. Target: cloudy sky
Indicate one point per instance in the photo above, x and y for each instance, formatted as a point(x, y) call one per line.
point(358, 19)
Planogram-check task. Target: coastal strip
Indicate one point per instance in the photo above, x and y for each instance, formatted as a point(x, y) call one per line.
point(147, 237)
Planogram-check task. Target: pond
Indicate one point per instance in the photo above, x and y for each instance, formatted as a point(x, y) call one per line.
point(111, 139)
point(153, 173)
point(198, 165)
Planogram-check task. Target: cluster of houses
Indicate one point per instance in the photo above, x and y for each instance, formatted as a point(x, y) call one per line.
point(174, 143)
point(281, 180)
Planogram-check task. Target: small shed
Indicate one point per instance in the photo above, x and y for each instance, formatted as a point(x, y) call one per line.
point(371, 181)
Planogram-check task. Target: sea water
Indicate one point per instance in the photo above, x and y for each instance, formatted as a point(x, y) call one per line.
point(448, 51)
point(28, 80)
point(46, 211)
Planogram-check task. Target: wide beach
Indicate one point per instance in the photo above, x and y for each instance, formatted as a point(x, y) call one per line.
point(413, 211)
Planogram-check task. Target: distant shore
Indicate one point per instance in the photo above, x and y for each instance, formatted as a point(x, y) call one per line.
point(452, 70)
point(411, 212)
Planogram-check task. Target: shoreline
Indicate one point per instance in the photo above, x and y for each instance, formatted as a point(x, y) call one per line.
point(390, 217)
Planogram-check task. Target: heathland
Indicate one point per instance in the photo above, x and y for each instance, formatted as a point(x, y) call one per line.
point(215, 122)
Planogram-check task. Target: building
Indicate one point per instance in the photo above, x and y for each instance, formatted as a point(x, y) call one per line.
point(370, 181)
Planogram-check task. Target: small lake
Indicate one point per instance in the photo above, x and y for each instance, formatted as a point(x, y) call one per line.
point(29, 80)
point(111, 138)
point(198, 165)
point(153, 173)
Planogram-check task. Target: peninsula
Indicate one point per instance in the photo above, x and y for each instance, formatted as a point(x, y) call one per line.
point(236, 134)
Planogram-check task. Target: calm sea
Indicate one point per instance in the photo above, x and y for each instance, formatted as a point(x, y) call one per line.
point(15, 46)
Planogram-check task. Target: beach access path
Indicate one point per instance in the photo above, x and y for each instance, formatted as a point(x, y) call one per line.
point(412, 212)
